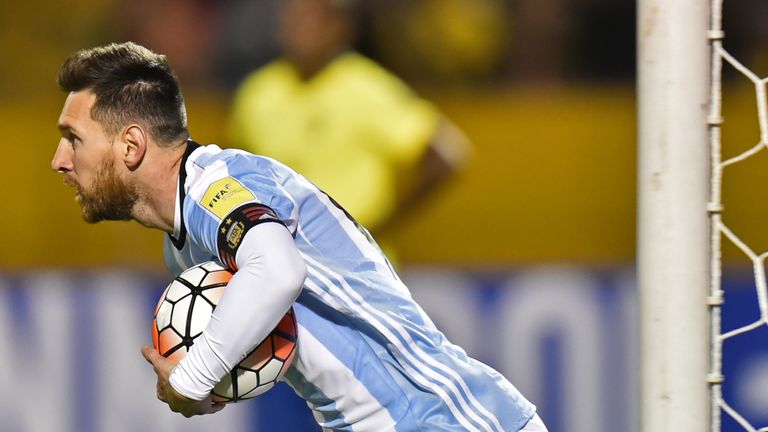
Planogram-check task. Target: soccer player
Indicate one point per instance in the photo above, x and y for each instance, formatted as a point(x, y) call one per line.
point(367, 359)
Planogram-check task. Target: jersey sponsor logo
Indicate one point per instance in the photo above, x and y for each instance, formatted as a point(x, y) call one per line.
point(224, 195)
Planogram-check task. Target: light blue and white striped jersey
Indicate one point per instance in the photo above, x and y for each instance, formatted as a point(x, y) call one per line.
point(368, 357)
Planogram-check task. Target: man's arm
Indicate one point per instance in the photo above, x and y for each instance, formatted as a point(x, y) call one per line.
point(270, 276)
point(448, 151)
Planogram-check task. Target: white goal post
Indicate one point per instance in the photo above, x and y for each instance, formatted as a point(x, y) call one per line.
point(673, 230)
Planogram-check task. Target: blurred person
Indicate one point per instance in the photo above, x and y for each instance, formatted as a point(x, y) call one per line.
point(367, 357)
point(342, 120)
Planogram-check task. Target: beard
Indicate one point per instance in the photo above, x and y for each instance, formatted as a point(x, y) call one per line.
point(109, 198)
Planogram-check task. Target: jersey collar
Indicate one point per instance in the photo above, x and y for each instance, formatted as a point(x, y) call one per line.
point(179, 230)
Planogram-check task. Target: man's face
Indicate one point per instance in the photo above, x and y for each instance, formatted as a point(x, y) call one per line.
point(85, 155)
point(310, 30)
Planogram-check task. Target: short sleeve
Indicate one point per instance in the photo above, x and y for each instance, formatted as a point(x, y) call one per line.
point(231, 195)
point(401, 123)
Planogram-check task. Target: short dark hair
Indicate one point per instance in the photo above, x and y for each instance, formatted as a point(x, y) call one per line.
point(131, 84)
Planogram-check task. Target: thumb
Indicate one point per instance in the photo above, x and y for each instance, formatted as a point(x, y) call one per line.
point(150, 354)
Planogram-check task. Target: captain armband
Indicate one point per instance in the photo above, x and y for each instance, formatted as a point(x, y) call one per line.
point(234, 226)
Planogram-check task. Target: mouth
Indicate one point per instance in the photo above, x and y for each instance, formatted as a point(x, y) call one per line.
point(71, 182)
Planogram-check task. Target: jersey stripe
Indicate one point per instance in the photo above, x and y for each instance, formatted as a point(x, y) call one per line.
point(407, 349)
point(296, 380)
point(350, 228)
point(369, 250)
point(356, 402)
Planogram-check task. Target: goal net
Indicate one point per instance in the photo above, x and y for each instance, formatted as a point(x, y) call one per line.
point(719, 231)
point(682, 57)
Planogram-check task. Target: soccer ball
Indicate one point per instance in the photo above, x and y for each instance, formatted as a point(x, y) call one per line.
point(183, 311)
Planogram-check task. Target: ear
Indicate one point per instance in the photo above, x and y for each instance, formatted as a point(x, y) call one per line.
point(135, 139)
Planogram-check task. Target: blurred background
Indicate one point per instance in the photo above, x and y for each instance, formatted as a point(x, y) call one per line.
point(532, 244)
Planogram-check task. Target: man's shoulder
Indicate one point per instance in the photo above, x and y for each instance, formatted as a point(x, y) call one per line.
point(366, 79)
point(273, 73)
point(352, 65)
point(220, 180)
point(210, 164)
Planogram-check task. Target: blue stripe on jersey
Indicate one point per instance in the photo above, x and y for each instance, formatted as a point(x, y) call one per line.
point(336, 243)
point(321, 405)
point(458, 390)
point(351, 344)
point(423, 362)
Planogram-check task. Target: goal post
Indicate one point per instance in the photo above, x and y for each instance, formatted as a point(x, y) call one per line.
point(673, 229)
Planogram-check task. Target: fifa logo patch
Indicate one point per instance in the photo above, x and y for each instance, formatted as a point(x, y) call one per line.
point(219, 195)
point(224, 195)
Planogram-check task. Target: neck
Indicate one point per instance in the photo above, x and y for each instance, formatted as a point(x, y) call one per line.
point(309, 67)
point(156, 207)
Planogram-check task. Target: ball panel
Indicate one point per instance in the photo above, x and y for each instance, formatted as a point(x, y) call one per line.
point(163, 315)
point(155, 336)
point(167, 340)
point(258, 391)
point(247, 381)
point(180, 313)
point(259, 356)
point(175, 291)
point(288, 361)
point(201, 315)
point(287, 324)
point(211, 266)
point(220, 277)
point(178, 354)
point(193, 275)
point(271, 371)
point(283, 347)
point(213, 295)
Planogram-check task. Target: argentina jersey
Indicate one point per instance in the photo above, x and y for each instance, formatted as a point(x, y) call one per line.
point(368, 358)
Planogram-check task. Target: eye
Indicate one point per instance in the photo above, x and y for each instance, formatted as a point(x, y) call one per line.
point(73, 140)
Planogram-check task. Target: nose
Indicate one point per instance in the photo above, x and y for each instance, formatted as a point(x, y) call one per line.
point(62, 159)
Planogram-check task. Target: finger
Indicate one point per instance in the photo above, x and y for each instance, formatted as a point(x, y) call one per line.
point(160, 392)
point(217, 407)
point(150, 354)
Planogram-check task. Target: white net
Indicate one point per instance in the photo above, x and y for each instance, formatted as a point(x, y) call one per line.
point(721, 58)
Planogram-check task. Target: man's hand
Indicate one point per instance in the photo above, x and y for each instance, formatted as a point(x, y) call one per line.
point(166, 393)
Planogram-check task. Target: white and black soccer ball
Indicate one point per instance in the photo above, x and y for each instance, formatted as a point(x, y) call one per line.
point(183, 311)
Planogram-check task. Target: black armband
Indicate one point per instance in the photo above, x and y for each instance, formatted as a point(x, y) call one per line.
point(234, 226)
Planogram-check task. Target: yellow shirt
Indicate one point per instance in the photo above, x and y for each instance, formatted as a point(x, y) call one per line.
point(352, 129)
